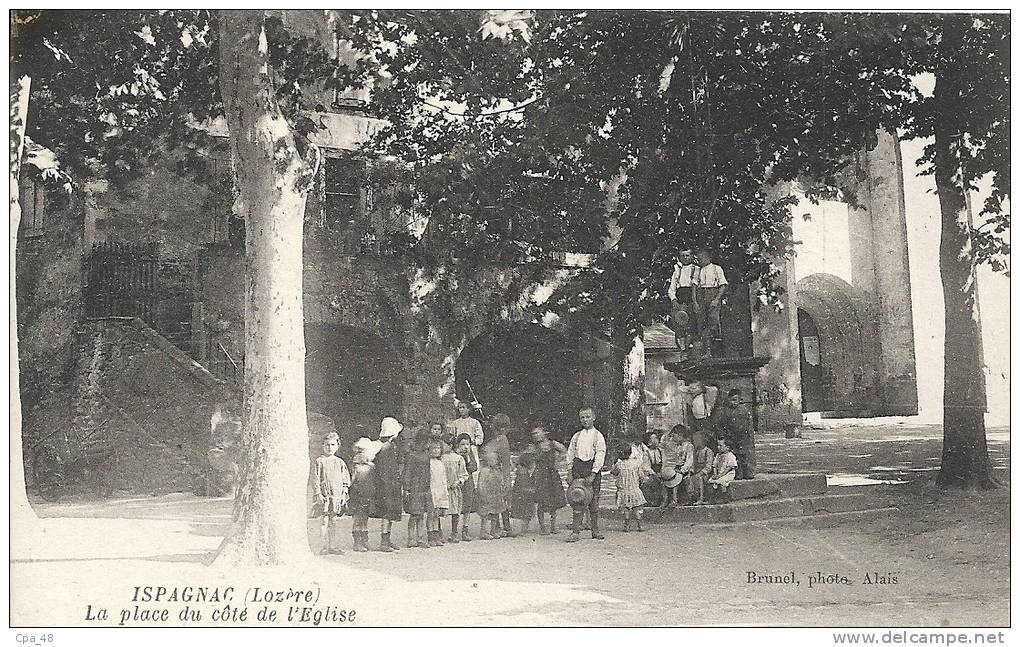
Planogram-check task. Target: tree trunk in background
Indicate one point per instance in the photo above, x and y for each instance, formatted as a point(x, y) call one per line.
point(619, 391)
point(21, 511)
point(630, 416)
point(965, 460)
point(272, 180)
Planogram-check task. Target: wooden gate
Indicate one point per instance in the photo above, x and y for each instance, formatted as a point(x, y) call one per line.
point(122, 281)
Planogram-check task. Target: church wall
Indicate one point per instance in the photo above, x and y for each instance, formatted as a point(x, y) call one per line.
point(893, 304)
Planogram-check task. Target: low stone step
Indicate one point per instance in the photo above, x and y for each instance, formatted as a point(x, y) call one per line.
point(783, 485)
point(758, 509)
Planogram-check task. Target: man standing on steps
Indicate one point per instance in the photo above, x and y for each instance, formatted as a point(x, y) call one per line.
point(737, 427)
point(586, 455)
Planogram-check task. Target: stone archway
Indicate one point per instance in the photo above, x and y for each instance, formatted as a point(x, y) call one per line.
point(352, 376)
point(839, 347)
point(527, 371)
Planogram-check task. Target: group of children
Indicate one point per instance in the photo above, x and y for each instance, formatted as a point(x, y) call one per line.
point(696, 476)
point(448, 471)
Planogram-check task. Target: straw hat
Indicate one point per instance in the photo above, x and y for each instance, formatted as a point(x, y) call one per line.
point(670, 477)
point(579, 493)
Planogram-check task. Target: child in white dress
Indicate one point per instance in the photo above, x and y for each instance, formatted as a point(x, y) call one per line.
point(456, 476)
point(724, 470)
point(628, 486)
point(440, 491)
point(332, 484)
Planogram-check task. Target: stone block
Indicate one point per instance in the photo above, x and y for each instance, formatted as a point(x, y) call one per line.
point(783, 485)
point(760, 509)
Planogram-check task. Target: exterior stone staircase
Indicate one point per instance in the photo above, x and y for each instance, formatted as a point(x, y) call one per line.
point(149, 400)
point(768, 497)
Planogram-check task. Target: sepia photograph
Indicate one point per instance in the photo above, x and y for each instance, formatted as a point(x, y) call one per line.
point(510, 318)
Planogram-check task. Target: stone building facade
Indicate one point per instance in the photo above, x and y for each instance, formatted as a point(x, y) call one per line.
point(842, 346)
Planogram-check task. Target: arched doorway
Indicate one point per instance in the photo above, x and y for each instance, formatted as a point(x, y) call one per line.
point(352, 376)
point(528, 372)
point(838, 347)
point(815, 379)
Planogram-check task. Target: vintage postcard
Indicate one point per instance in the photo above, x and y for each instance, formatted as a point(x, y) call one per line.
point(487, 318)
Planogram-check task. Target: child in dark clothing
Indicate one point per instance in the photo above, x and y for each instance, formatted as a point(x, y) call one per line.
point(549, 493)
point(464, 444)
point(417, 490)
point(499, 444)
point(522, 497)
point(387, 502)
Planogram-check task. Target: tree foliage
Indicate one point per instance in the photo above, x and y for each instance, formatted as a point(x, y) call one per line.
point(117, 91)
point(978, 107)
point(678, 128)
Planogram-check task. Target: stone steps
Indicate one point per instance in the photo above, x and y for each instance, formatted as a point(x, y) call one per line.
point(766, 498)
point(759, 509)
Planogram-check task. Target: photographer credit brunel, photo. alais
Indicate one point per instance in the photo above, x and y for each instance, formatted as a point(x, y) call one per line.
point(818, 578)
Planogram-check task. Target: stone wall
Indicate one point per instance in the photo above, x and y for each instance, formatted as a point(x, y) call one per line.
point(165, 206)
point(49, 304)
point(373, 351)
point(864, 313)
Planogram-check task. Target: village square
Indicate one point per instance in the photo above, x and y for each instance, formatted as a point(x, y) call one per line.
point(509, 318)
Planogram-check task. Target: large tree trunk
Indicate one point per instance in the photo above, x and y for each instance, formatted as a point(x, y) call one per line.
point(272, 181)
point(21, 511)
point(964, 449)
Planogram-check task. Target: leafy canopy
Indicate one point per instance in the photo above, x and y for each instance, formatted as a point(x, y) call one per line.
point(630, 134)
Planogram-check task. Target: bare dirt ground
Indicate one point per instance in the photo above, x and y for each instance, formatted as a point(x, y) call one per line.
point(948, 553)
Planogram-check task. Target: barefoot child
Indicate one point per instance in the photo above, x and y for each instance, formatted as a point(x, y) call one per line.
point(332, 481)
point(548, 483)
point(440, 492)
point(703, 462)
point(629, 498)
point(522, 497)
point(456, 476)
point(467, 450)
point(490, 494)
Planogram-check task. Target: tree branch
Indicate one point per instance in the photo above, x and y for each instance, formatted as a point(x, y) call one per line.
point(520, 106)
